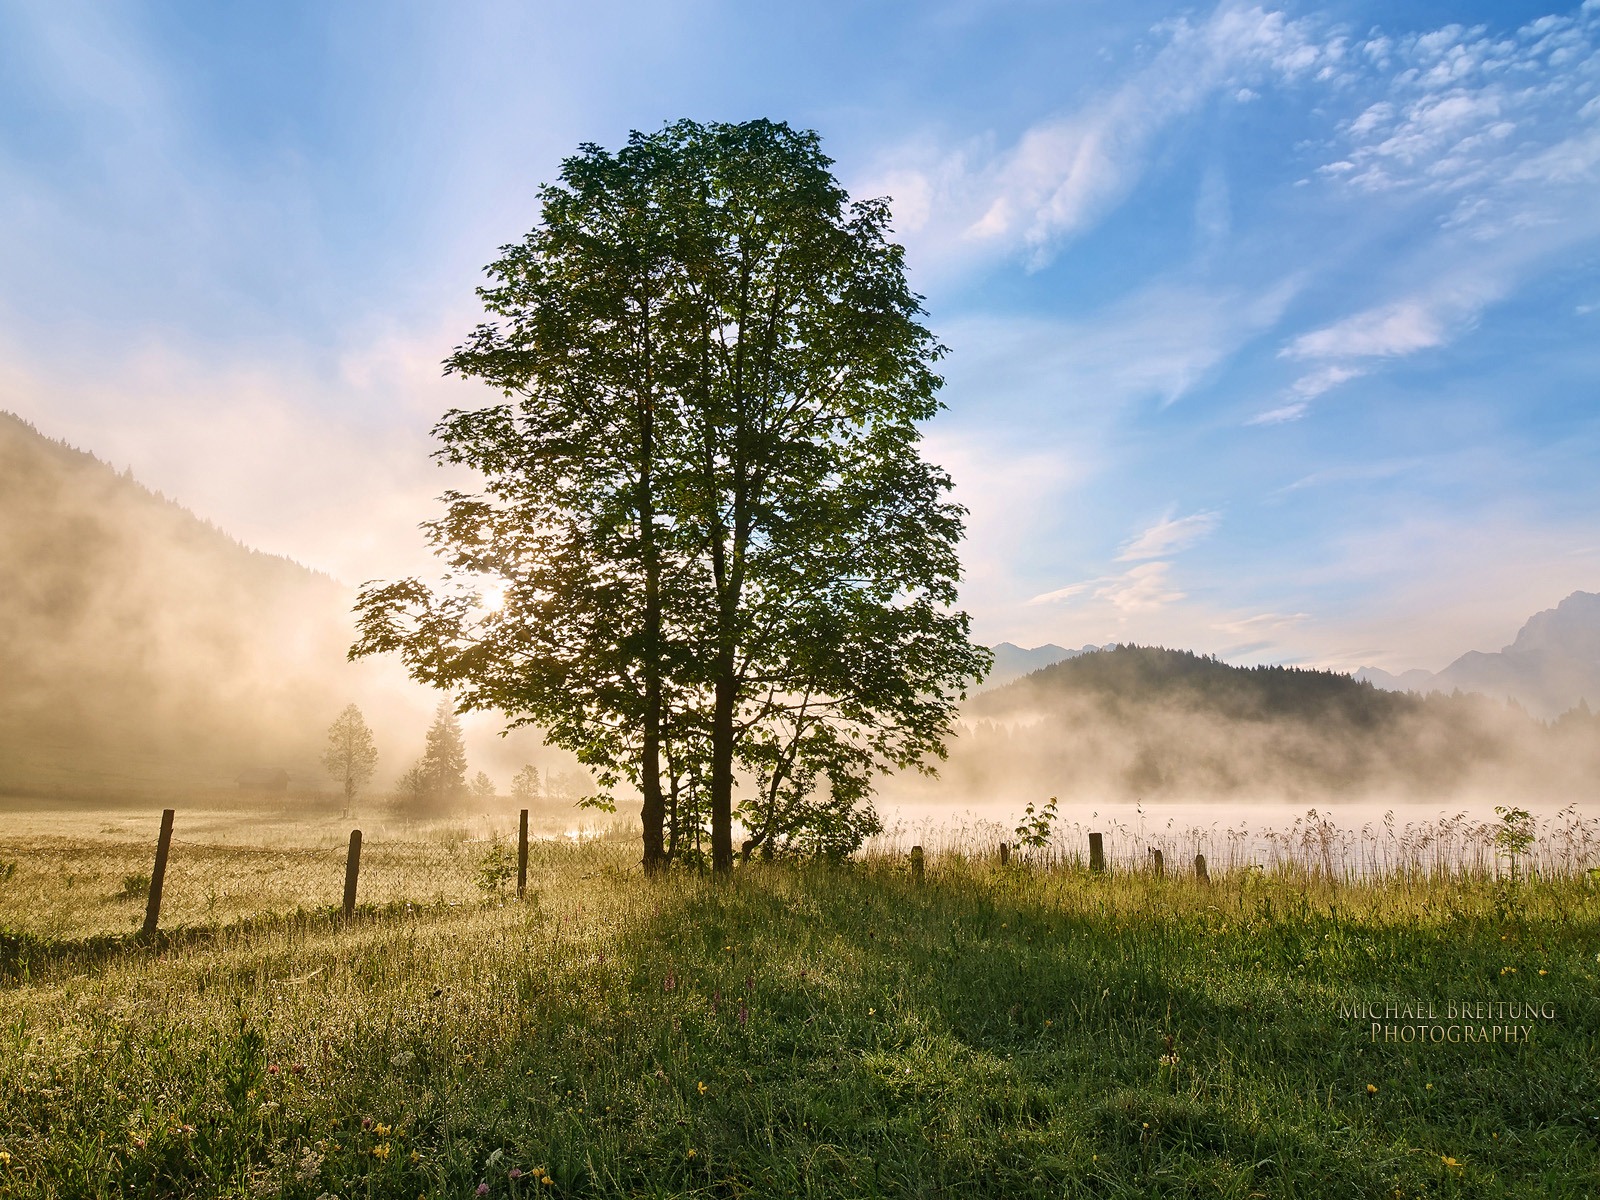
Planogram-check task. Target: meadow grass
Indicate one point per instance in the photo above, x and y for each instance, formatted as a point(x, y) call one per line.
point(810, 1031)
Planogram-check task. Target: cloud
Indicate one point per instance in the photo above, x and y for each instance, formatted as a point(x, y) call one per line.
point(1262, 623)
point(1141, 589)
point(1144, 588)
point(1394, 329)
point(1280, 415)
point(1065, 174)
point(1169, 536)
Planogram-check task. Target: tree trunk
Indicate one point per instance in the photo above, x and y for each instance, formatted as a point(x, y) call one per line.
point(722, 768)
point(654, 810)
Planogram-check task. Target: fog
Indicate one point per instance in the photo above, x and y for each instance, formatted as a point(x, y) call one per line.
point(1164, 748)
point(146, 654)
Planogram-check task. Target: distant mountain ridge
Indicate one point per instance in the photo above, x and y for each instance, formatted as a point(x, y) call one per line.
point(1013, 662)
point(1551, 665)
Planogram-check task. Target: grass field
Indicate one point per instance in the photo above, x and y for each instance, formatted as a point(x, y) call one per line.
point(847, 1031)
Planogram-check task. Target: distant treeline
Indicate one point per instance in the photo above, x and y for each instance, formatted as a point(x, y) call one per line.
point(1148, 721)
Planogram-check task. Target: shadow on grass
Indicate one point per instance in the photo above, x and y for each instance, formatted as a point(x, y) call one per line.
point(26, 958)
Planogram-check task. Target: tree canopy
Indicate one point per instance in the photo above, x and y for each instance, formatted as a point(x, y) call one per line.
point(725, 567)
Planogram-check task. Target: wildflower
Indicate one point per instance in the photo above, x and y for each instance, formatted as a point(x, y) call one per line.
point(1429, 1087)
point(483, 1189)
point(366, 1122)
point(381, 1150)
point(272, 1068)
point(514, 1173)
point(1508, 970)
point(1449, 1162)
point(1048, 1022)
point(701, 1086)
point(1372, 1089)
point(382, 1131)
point(872, 1012)
point(1542, 971)
point(5, 1158)
point(547, 1181)
point(415, 1158)
point(691, 1153)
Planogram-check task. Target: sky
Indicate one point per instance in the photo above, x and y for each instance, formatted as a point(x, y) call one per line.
point(1274, 331)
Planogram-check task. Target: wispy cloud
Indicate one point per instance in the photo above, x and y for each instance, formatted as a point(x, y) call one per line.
point(1141, 589)
point(1168, 536)
point(1262, 623)
point(1064, 174)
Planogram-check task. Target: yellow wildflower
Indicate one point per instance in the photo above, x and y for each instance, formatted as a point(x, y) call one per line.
point(1449, 1162)
point(381, 1150)
point(382, 1131)
point(1372, 1089)
point(701, 1086)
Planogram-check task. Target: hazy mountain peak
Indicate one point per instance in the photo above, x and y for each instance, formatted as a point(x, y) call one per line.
point(1551, 666)
point(1570, 628)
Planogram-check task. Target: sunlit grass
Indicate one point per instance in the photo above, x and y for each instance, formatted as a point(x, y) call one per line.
point(813, 1031)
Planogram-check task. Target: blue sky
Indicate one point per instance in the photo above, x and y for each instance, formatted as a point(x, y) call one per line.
point(1275, 331)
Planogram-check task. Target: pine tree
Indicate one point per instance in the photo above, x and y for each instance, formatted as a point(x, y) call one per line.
point(444, 762)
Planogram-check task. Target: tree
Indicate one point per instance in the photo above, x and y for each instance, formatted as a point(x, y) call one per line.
point(718, 546)
point(350, 757)
point(525, 788)
point(444, 760)
point(483, 790)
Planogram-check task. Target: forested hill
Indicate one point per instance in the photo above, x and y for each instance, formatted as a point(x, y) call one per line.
point(141, 646)
point(1133, 676)
point(1140, 721)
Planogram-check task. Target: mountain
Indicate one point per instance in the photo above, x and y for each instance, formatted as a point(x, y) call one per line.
point(141, 647)
point(1143, 721)
point(1553, 663)
point(1012, 662)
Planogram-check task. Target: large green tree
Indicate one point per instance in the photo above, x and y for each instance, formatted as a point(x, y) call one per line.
point(718, 546)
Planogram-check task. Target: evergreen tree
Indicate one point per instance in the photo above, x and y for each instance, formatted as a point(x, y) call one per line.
point(444, 762)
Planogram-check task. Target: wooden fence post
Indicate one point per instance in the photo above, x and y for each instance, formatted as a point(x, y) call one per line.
point(152, 908)
point(352, 869)
point(1200, 872)
point(522, 854)
point(1097, 852)
point(1005, 854)
point(916, 863)
point(1158, 862)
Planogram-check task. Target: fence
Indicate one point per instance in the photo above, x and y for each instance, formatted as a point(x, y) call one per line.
point(352, 869)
